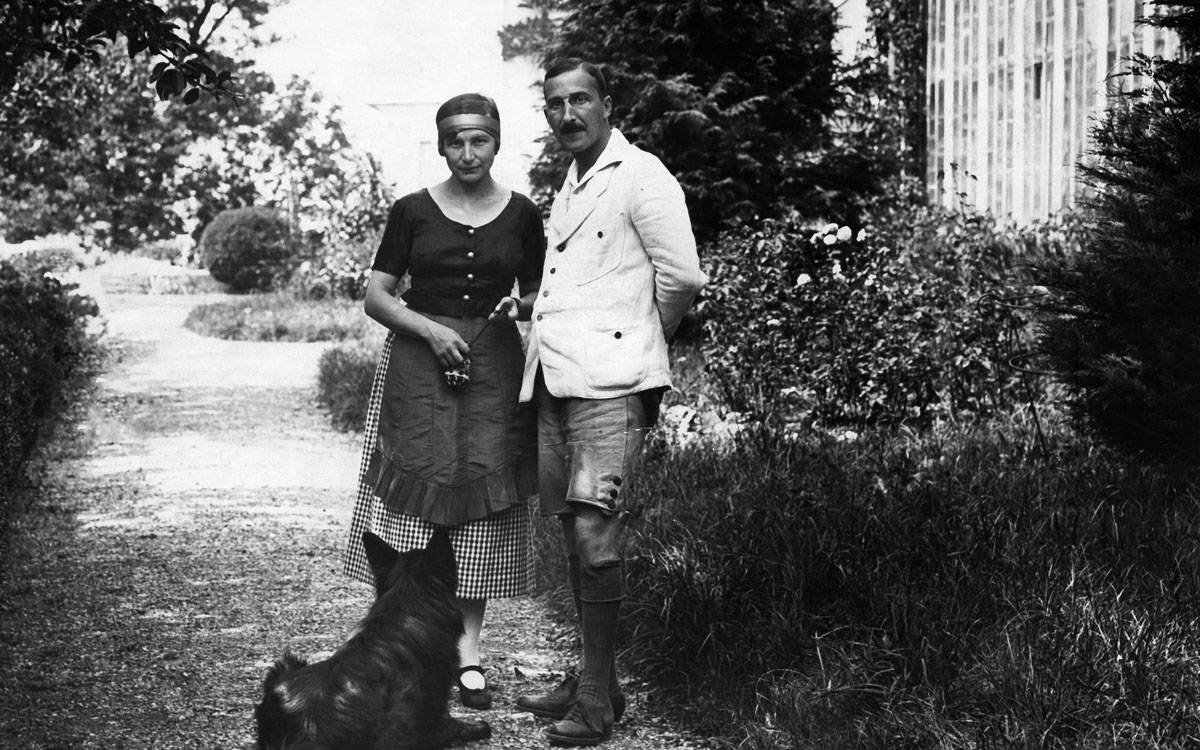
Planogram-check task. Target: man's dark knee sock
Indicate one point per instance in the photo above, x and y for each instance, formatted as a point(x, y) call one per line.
point(601, 591)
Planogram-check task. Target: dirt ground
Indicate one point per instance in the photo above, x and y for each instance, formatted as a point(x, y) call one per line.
point(190, 527)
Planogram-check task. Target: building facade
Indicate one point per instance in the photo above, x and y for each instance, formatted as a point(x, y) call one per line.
point(1013, 89)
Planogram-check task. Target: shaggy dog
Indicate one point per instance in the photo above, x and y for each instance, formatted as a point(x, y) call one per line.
point(389, 685)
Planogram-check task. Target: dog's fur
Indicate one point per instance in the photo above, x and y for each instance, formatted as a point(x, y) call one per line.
point(389, 685)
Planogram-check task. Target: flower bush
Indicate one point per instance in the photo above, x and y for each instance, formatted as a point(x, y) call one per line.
point(912, 318)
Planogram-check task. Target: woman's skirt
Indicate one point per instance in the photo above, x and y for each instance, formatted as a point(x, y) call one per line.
point(463, 459)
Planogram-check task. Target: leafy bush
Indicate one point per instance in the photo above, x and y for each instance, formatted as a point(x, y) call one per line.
point(250, 249)
point(340, 271)
point(281, 317)
point(344, 378)
point(44, 350)
point(907, 319)
point(916, 590)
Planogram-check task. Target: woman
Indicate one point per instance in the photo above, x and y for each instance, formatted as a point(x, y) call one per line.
point(440, 453)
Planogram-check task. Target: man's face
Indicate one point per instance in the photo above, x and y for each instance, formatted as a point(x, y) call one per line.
point(576, 112)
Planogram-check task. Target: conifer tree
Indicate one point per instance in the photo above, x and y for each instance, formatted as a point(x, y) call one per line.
point(1123, 326)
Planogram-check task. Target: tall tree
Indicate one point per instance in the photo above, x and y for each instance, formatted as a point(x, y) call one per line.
point(90, 149)
point(734, 96)
point(94, 152)
point(1123, 327)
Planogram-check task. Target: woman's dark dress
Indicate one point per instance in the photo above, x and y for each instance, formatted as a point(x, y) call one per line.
point(462, 458)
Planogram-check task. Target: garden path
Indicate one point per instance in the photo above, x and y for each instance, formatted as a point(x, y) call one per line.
point(189, 527)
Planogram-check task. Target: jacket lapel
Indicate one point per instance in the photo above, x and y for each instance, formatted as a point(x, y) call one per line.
point(570, 211)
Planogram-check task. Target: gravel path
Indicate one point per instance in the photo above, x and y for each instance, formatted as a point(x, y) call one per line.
point(189, 529)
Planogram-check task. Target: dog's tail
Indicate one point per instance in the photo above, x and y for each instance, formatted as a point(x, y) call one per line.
point(282, 666)
point(272, 719)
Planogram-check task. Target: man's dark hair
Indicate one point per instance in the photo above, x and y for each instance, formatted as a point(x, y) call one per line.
point(567, 64)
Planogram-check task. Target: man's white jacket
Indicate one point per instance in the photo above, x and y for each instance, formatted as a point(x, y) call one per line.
point(621, 270)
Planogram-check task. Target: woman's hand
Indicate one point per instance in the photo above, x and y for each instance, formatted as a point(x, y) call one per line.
point(447, 346)
point(506, 310)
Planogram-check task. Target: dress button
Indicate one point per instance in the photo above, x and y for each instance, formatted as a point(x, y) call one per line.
point(466, 296)
point(470, 276)
point(471, 255)
point(470, 230)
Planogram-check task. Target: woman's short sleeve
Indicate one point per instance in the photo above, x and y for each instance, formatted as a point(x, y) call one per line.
point(395, 247)
point(533, 243)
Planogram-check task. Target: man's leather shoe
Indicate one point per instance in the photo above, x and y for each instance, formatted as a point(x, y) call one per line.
point(586, 724)
point(556, 703)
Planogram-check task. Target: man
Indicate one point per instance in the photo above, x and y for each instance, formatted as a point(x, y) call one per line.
point(621, 270)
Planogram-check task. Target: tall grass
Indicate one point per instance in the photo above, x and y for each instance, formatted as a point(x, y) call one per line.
point(956, 588)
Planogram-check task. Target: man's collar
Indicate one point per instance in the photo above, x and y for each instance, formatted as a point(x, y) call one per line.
point(614, 153)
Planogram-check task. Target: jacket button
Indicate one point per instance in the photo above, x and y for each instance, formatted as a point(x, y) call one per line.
point(546, 293)
point(539, 317)
point(552, 270)
point(470, 276)
point(617, 335)
point(599, 234)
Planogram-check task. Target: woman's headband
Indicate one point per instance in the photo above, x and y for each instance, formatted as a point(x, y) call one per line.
point(448, 126)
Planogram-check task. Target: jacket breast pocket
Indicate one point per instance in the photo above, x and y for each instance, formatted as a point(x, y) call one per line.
point(616, 358)
point(600, 243)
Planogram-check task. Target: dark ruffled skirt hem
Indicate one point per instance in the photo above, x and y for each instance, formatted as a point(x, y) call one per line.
point(451, 505)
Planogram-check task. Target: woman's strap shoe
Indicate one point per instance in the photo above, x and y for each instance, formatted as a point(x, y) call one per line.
point(477, 698)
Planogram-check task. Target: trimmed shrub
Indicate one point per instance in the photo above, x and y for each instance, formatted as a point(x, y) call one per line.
point(249, 249)
point(280, 316)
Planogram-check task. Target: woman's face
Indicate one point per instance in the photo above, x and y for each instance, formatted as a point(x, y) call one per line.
point(469, 154)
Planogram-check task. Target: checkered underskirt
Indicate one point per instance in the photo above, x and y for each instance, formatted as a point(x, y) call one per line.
point(494, 554)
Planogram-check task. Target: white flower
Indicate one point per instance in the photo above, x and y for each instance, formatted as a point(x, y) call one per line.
point(803, 279)
point(829, 228)
point(862, 235)
point(830, 239)
point(845, 233)
point(815, 236)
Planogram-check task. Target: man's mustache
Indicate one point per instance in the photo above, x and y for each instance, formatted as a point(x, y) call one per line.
point(572, 128)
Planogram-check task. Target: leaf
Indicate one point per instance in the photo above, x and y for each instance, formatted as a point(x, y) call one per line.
point(137, 45)
point(191, 96)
